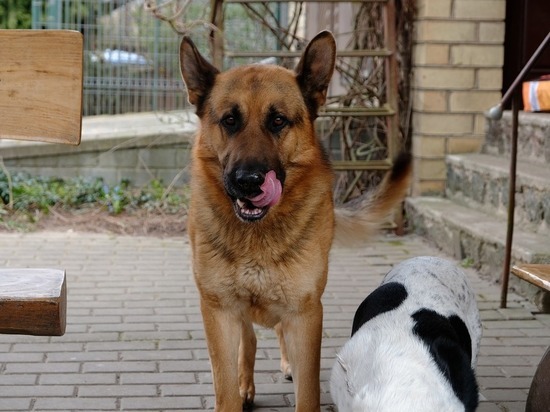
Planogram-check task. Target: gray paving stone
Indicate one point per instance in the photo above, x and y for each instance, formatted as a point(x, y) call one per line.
point(505, 383)
point(488, 407)
point(75, 403)
point(505, 395)
point(36, 391)
point(502, 361)
point(21, 357)
point(130, 366)
point(156, 355)
point(513, 406)
point(159, 378)
point(82, 356)
point(135, 340)
point(38, 367)
point(80, 379)
point(528, 371)
point(121, 346)
point(26, 379)
point(115, 391)
point(52, 347)
point(180, 403)
point(15, 404)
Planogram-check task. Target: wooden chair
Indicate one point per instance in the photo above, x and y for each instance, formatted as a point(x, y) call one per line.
point(40, 100)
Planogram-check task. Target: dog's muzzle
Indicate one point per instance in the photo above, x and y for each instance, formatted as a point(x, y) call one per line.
point(253, 192)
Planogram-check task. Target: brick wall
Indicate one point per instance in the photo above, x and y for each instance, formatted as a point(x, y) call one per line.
point(458, 57)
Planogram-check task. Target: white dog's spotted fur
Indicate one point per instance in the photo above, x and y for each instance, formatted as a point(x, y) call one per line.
point(423, 320)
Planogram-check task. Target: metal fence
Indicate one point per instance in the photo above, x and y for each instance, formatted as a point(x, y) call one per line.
point(131, 58)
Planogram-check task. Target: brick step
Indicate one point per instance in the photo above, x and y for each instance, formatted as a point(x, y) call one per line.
point(481, 181)
point(476, 237)
point(533, 136)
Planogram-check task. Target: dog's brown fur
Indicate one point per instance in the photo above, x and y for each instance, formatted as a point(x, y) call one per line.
point(271, 271)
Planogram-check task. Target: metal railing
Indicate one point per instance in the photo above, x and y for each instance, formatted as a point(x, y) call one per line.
point(495, 113)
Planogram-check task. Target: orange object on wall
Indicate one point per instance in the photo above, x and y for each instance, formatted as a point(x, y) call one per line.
point(536, 95)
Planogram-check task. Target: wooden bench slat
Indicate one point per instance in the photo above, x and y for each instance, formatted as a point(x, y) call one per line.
point(537, 274)
point(33, 301)
point(41, 74)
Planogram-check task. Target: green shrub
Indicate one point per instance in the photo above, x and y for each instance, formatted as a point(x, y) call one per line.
point(25, 193)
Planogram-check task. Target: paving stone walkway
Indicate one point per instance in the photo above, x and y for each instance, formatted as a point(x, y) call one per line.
point(135, 341)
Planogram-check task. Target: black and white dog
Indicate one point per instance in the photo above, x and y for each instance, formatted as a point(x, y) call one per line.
point(414, 344)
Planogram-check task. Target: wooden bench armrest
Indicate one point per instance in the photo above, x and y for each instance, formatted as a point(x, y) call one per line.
point(33, 301)
point(537, 274)
point(41, 85)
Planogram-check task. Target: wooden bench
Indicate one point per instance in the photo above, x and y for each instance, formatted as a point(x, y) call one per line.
point(41, 85)
point(33, 301)
point(538, 399)
point(536, 274)
point(41, 74)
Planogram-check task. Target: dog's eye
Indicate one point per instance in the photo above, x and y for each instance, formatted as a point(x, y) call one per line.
point(230, 123)
point(278, 123)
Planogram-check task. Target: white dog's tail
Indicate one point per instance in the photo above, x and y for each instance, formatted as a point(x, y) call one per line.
point(366, 214)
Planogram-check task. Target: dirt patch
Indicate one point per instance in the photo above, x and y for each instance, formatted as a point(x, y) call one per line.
point(139, 222)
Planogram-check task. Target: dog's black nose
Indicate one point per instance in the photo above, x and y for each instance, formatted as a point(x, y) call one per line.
point(248, 180)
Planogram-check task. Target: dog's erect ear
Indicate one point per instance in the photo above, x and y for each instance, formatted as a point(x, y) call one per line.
point(198, 74)
point(315, 68)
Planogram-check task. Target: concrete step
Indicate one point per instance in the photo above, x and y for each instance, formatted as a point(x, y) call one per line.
point(533, 136)
point(476, 237)
point(481, 181)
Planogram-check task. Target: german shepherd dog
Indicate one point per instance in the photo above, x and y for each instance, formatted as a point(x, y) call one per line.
point(261, 218)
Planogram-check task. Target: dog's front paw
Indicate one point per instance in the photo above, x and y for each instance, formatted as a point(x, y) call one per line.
point(247, 395)
point(285, 368)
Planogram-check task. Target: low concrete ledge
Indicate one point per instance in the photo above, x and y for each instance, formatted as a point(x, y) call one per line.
point(136, 146)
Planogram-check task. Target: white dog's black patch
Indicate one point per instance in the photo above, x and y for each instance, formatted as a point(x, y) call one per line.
point(451, 347)
point(414, 344)
point(385, 298)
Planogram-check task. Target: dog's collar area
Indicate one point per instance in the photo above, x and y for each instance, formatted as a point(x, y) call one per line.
point(247, 212)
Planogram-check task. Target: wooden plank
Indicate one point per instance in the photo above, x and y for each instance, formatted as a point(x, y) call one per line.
point(41, 85)
point(537, 274)
point(33, 301)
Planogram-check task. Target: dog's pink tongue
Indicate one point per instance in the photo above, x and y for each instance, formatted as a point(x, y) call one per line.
point(271, 191)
